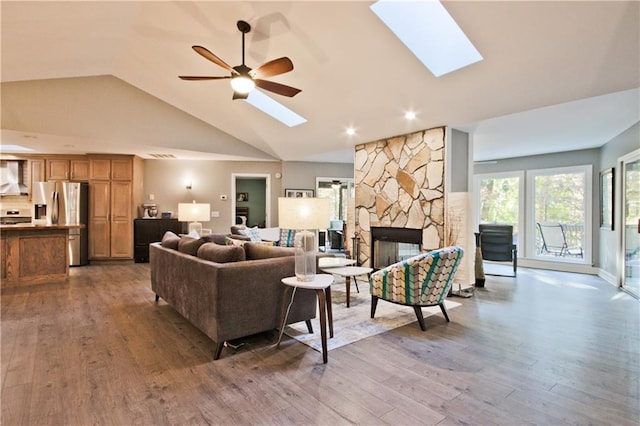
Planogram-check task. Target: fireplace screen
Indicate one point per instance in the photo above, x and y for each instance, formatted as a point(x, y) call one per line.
point(389, 252)
point(391, 245)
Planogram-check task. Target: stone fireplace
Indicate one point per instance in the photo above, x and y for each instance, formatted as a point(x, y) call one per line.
point(400, 185)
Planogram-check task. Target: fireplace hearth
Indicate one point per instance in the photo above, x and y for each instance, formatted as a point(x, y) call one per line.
point(391, 245)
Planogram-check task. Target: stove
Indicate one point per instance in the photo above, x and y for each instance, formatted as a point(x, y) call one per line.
point(15, 216)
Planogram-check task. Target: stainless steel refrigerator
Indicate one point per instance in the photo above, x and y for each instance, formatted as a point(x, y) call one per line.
point(65, 203)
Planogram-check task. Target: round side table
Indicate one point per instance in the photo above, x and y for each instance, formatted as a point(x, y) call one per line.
point(321, 283)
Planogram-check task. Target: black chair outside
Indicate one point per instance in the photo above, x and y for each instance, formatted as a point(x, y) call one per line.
point(496, 245)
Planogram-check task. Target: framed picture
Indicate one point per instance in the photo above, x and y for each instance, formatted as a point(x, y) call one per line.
point(242, 196)
point(299, 193)
point(607, 191)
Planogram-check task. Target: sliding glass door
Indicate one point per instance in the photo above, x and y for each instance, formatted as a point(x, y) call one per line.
point(631, 223)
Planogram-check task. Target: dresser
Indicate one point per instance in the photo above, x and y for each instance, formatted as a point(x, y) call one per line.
point(146, 231)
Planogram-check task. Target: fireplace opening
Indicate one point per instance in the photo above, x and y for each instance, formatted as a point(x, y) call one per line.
point(391, 245)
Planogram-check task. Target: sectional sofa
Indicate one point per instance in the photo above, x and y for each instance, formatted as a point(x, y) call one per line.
point(226, 291)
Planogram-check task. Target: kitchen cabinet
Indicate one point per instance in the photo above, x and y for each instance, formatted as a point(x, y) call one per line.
point(115, 190)
point(67, 169)
point(37, 173)
point(79, 170)
point(147, 231)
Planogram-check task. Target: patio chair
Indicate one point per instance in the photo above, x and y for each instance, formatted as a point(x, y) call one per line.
point(423, 280)
point(554, 241)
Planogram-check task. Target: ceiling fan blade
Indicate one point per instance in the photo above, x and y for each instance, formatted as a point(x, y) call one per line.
point(237, 95)
point(271, 68)
point(204, 52)
point(277, 88)
point(192, 77)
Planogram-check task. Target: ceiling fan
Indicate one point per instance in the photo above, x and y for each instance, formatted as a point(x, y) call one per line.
point(243, 78)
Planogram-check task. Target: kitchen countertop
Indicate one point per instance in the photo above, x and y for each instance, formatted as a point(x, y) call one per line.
point(32, 227)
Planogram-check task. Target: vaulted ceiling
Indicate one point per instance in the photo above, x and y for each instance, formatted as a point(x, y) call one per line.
point(102, 77)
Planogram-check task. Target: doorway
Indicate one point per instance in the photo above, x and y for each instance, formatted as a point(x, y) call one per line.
point(341, 192)
point(251, 199)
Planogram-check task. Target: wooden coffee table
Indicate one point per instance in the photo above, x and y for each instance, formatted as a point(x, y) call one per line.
point(347, 272)
point(334, 262)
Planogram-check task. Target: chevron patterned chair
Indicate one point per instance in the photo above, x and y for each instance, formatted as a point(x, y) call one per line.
point(423, 280)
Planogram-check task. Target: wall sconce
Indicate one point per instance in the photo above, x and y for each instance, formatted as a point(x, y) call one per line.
point(189, 185)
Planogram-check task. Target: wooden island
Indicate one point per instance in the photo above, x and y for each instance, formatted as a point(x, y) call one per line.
point(34, 254)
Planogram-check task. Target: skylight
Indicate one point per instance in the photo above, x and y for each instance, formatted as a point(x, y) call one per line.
point(428, 30)
point(276, 110)
point(14, 148)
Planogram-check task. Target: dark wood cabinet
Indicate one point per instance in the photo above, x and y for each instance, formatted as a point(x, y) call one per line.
point(147, 231)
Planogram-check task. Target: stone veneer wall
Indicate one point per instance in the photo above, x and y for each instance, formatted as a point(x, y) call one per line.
point(399, 183)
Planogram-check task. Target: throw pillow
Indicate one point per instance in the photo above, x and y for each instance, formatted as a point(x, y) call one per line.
point(287, 237)
point(256, 251)
point(170, 240)
point(221, 254)
point(252, 233)
point(190, 245)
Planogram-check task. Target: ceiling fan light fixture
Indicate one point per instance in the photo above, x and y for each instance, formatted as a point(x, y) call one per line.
point(242, 84)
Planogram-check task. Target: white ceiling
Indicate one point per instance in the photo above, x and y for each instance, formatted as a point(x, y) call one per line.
point(555, 76)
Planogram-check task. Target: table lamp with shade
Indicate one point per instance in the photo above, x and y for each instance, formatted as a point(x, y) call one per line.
point(194, 213)
point(304, 215)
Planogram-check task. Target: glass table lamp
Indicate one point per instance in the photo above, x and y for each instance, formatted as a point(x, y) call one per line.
point(304, 215)
point(194, 213)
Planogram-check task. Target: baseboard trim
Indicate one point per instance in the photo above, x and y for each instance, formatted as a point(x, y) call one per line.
point(608, 277)
point(558, 266)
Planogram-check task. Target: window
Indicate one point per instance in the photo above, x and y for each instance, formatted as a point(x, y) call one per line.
point(338, 190)
point(500, 201)
point(553, 222)
point(560, 214)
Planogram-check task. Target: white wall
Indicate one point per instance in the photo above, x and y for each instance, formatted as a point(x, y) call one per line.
point(622, 144)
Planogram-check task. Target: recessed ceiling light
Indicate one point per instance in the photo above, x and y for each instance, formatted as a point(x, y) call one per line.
point(350, 131)
point(276, 110)
point(431, 34)
point(410, 115)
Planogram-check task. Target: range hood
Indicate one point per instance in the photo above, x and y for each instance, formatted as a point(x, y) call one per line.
point(11, 175)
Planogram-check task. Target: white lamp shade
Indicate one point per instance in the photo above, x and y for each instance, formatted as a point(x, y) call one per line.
point(193, 212)
point(303, 213)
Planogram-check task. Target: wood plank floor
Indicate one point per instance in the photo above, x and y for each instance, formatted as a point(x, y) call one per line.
point(544, 348)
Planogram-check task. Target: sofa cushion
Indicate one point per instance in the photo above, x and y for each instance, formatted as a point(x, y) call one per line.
point(256, 251)
point(234, 242)
point(235, 229)
point(221, 254)
point(286, 237)
point(252, 233)
point(215, 238)
point(190, 245)
point(170, 240)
